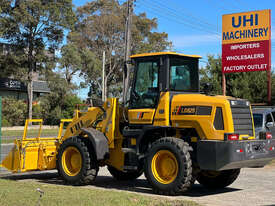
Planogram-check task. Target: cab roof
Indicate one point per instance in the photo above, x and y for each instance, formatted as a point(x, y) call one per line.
point(164, 53)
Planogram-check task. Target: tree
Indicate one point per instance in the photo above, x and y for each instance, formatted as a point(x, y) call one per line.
point(212, 74)
point(101, 27)
point(246, 85)
point(70, 62)
point(58, 104)
point(35, 28)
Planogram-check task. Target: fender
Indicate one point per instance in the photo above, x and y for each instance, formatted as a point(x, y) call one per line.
point(99, 142)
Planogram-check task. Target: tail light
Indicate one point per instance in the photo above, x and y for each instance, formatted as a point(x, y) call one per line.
point(231, 137)
point(265, 135)
point(268, 135)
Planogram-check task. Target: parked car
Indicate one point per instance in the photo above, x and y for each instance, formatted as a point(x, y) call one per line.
point(264, 120)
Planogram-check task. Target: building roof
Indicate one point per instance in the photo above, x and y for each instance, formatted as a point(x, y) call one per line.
point(41, 86)
point(15, 85)
point(164, 53)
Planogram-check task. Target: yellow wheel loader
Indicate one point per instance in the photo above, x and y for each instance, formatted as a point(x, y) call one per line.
point(168, 129)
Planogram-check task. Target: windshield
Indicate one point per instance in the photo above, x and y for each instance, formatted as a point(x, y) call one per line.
point(146, 87)
point(183, 75)
point(258, 120)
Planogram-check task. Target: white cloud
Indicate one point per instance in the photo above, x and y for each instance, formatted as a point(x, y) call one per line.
point(194, 40)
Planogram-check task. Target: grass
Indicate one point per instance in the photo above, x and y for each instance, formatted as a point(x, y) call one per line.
point(31, 132)
point(7, 141)
point(9, 135)
point(25, 193)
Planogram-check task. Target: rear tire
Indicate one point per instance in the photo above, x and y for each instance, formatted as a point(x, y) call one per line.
point(168, 166)
point(217, 179)
point(124, 176)
point(75, 163)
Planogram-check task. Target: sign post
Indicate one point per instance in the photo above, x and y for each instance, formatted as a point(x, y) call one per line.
point(246, 44)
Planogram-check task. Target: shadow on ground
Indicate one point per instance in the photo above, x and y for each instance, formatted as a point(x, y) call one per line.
point(107, 182)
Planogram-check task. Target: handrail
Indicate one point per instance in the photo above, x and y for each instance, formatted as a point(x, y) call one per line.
point(62, 121)
point(40, 121)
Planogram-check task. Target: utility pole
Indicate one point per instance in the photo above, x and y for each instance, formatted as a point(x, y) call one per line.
point(126, 72)
point(103, 76)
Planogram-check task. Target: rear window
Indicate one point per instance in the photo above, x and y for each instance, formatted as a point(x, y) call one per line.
point(258, 120)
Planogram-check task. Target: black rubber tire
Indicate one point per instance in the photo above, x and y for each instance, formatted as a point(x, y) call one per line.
point(89, 167)
point(124, 176)
point(180, 150)
point(220, 180)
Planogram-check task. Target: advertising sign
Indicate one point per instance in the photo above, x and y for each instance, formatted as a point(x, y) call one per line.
point(12, 84)
point(246, 44)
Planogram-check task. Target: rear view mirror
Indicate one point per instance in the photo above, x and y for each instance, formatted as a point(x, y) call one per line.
point(269, 124)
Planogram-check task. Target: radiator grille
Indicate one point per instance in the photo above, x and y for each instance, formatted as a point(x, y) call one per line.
point(242, 119)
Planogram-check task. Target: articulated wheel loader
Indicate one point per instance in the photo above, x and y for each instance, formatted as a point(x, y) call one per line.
point(168, 130)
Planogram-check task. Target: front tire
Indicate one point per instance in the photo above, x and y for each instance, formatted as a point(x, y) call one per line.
point(217, 179)
point(75, 163)
point(168, 166)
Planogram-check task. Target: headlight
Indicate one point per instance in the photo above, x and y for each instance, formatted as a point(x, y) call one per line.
point(233, 103)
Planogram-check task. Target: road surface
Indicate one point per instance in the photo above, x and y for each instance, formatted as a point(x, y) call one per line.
point(253, 187)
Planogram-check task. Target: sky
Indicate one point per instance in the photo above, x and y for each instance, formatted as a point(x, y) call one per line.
point(195, 27)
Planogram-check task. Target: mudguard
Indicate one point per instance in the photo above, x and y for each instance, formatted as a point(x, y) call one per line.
point(99, 142)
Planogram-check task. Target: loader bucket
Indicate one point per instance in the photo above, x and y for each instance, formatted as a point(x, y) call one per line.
point(12, 160)
point(32, 154)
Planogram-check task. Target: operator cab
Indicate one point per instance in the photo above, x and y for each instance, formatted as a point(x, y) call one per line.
point(156, 73)
point(162, 72)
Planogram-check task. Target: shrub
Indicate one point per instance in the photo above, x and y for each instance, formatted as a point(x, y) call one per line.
point(51, 108)
point(5, 123)
point(14, 112)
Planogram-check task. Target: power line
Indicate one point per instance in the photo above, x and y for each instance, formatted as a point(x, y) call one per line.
point(176, 21)
point(177, 16)
point(218, 7)
point(160, 10)
point(200, 19)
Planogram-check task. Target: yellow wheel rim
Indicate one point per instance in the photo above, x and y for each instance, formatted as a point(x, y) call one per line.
point(71, 161)
point(164, 166)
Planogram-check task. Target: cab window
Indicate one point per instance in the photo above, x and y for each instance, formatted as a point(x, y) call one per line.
point(183, 75)
point(146, 90)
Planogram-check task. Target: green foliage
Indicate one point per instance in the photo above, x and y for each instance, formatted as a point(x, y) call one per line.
point(5, 123)
point(246, 85)
point(13, 112)
point(212, 74)
point(51, 109)
point(69, 105)
point(34, 30)
point(101, 27)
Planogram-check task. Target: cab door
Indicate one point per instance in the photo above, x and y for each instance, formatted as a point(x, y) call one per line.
point(145, 92)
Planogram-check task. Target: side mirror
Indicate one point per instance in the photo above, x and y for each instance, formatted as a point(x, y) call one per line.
point(206, 88)
point(269, 124)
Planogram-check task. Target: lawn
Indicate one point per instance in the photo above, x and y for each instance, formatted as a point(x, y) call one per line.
point(25, 193)
point(31, 132)
point(9, 135)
